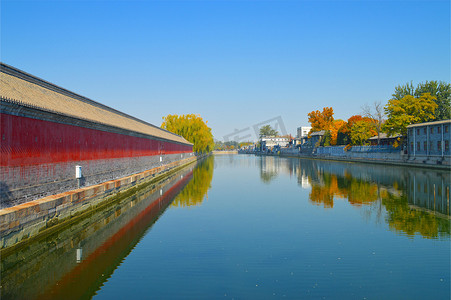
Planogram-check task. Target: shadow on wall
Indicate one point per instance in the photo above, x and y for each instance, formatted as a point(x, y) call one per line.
point(5, 195)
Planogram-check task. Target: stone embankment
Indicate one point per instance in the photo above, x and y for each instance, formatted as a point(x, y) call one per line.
point(362, 156)
point(22, 223)
point(219, 152)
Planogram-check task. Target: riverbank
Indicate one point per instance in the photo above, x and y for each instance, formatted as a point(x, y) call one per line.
point(217, 152)
point(366, 160)
point(35, 219)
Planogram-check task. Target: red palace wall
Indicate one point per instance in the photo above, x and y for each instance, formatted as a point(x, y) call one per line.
point(39, 155)
point(27, 141)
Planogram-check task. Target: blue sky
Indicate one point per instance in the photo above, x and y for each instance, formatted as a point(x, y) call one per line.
point(236, 63)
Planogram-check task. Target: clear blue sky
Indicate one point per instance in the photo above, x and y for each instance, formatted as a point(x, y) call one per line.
point(235, 63)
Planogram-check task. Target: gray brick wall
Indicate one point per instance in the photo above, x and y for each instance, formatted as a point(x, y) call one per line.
point(26, 183)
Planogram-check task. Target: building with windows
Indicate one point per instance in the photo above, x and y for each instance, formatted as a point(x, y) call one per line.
point(429, 140)
point(302, 132)
point(384, 139)
point(268, 142)
point(315, 138)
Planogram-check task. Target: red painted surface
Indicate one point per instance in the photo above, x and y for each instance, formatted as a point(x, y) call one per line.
point(115, 247)
point(27, 141)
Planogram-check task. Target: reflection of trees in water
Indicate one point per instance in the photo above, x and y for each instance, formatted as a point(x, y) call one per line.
point(196, 190)
point(360, 192)
point(416, 201)
point(400, 215)
point(269, 168)
point(356, 191)
point(267, 177)
point(323, 193)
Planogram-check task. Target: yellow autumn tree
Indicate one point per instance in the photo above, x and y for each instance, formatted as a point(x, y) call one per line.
point(193, 128)
point(336, 125)
point(408, 110)
point(361, 131)
point(321, 120)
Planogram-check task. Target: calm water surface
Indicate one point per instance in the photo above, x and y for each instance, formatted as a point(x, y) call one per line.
point(246, 227)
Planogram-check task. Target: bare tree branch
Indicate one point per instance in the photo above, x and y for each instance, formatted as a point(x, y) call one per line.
point(376, 115)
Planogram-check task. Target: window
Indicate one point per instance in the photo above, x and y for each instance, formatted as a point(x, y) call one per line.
point(446, 145)
point(439, 145)
point(418, 146)
point(411, 146)
point(439, 129)
point(425, 130)
point(418, 131)
point(446, 128)
point(431, 146)
point(425, 146)
point(432, 129)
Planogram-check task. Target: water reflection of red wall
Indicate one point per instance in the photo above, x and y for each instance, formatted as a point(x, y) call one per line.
point(86, 277)
point(27, 141)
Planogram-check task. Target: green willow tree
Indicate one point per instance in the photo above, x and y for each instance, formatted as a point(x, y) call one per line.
point(193, 129)
point(267, 130)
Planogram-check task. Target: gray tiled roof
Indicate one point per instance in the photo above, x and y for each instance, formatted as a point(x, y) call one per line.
point(25, 88)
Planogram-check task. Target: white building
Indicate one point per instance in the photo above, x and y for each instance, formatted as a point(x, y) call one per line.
point(302, 134)
point(269, 142)
point(303, 131)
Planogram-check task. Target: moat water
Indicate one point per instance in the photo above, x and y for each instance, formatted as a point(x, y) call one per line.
point(247, 227)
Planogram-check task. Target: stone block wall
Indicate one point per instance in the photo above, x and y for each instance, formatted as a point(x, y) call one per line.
point(21, 184)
